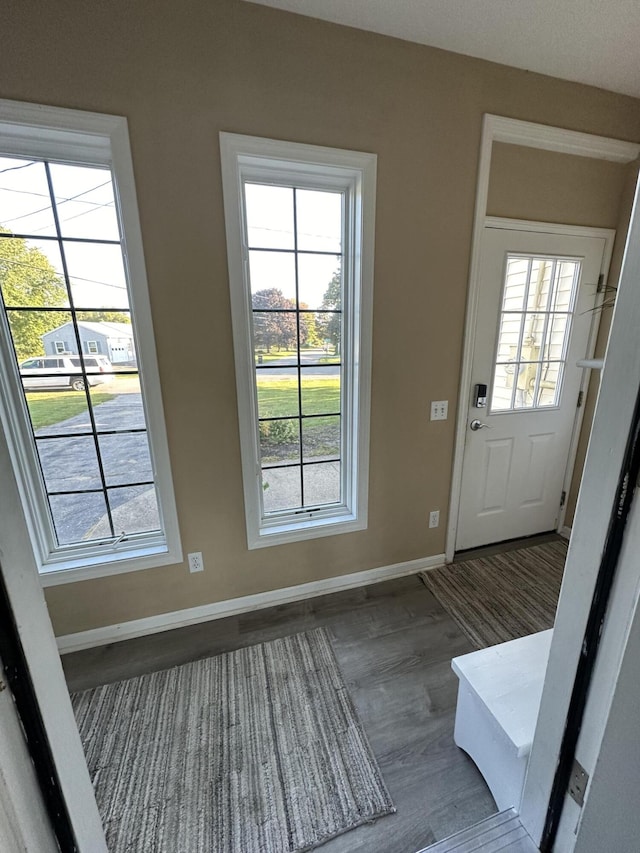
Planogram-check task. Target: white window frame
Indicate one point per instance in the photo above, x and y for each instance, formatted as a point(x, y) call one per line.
point(249, 158)
point(74, 136)
point(95, 350)
point(60, 347)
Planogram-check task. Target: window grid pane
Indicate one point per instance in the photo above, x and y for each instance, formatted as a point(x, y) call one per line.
point(96, 487)
point(533, 332)
point(296, 293)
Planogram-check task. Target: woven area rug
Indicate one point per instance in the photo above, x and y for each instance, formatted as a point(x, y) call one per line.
point(255, 751)
point(502, 597)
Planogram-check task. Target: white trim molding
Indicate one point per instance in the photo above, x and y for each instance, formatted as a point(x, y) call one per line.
point(559, 139)
point(514, 132)
point(245, 604)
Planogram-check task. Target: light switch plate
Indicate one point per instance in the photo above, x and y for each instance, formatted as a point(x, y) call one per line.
point(439, 410)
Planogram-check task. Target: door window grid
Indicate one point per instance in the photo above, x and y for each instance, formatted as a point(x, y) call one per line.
point(301, 481)
point(533, 332)
point(97, 503)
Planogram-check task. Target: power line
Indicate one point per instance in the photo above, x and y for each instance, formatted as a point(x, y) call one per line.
point(63, 199)
point(287, 231)
point(15, 168)
point(71, 277)
point(59, 204)
point(76, 215)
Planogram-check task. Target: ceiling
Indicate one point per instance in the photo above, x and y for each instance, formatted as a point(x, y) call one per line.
point(588, 41)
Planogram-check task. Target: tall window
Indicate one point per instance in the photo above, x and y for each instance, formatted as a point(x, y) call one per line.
point(85, 457)
point(299, 225)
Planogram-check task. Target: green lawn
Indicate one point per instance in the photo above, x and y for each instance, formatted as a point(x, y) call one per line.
point(51, 407)
point(279, 398)
point(275, 355)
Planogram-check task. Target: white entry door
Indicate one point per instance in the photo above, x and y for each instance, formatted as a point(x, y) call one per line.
point(537, 293)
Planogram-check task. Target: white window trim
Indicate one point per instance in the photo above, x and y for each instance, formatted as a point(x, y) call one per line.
point(60, 347)
point(76, 136)
point(260, 159)
point(95, 350)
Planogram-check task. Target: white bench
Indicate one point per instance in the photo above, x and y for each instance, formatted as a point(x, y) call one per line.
point(498, 703)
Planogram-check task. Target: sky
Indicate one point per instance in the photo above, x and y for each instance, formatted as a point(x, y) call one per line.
point(85, 202)
point(270, 225)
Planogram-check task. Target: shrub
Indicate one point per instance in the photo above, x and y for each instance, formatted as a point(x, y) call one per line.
point(278, 432)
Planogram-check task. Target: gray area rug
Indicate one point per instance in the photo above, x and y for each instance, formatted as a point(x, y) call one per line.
point(502, 597)
point(255, 751)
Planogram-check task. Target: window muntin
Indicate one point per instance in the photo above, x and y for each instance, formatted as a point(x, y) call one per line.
point(311, 478)
point(296, 299)
point(61, 265)
point(534, 327)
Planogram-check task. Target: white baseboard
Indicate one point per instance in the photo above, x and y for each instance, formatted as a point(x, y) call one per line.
point(565, 532)
point(231, 607)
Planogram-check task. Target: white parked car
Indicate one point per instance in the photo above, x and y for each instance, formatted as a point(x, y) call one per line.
point(64, 371)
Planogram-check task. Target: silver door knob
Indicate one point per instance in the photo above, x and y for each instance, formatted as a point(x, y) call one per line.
point(475, 425)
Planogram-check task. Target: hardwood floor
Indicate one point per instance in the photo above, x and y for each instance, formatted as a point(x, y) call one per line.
point(394, 643)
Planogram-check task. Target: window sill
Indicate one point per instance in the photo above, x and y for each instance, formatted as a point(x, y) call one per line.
point(87, 568)
point(299, 531)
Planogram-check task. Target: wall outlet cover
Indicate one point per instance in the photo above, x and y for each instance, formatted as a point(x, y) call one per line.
point(196, 563)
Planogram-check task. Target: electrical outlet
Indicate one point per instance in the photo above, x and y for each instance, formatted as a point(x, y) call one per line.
point(439, 410)
point(196, 563)
point(434, 518)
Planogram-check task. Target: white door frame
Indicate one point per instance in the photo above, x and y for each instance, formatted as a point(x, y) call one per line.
point(26, 595)
point(611, 425)
point(531, 135)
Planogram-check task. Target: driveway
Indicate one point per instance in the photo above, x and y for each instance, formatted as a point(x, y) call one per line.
point(287, 366)
point(282, 488)
point(70, 463)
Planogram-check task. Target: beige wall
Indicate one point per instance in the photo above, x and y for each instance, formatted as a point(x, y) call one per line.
point(544, 186)
point(181, 72)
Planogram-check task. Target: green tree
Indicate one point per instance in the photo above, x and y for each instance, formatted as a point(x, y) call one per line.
point(330, 324)
point(309, 335)
point(28, 280)
point(271, 325)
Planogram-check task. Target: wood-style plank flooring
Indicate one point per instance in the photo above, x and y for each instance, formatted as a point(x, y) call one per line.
point(394, 643)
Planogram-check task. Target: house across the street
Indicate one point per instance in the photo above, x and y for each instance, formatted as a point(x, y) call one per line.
point(114, 340)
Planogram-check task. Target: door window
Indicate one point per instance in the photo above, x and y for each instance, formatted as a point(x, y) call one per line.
point(538, 298)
